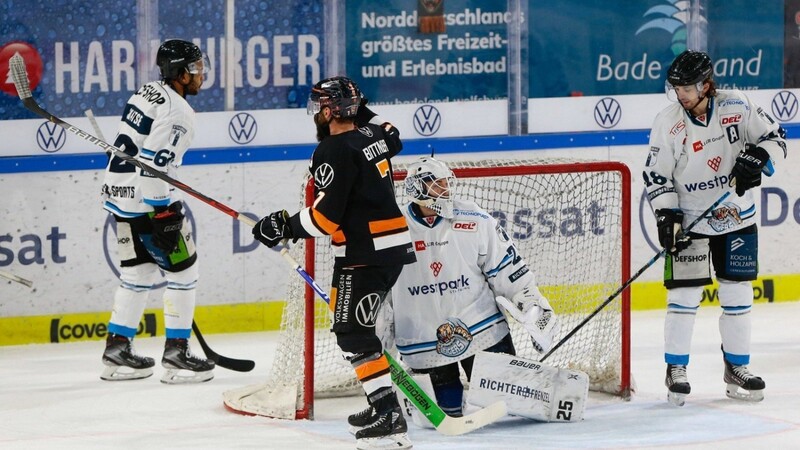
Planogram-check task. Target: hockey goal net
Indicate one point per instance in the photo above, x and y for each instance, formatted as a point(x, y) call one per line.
point(570, 219)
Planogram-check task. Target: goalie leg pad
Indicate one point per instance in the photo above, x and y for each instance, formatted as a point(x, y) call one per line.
point(529, 388)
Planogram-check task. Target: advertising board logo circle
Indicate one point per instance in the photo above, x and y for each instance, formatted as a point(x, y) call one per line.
point(242, 128)
point(33, 65)
point(607, 112)
point(51, 137)
point(784, 106)
point(427, 120)
point(367, 309)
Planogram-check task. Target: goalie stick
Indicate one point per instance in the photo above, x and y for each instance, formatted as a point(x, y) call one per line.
point(20, 76)
point(450, 426)
point(15, 278)
point(630, 280)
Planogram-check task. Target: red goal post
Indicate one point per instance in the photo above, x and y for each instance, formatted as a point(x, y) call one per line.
point(569, 218)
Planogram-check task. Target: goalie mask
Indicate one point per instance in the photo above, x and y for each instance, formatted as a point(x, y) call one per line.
point(429, 183)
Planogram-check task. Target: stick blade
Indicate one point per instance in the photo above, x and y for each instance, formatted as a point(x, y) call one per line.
point(454, 426)
point(20, 75)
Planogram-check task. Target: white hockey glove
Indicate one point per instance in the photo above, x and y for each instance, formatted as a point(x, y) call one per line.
point(534, 312)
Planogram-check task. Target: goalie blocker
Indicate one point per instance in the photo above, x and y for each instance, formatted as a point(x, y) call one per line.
point(529, 388)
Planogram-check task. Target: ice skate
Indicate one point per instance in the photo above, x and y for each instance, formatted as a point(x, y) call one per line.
point(182, 366)
point(361, 419)
point(122, 362)
point(387, 431)
point(677, 384)
point(743, 385)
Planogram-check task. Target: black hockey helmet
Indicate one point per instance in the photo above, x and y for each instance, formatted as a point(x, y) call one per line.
point(690, 67)
point(175, 56)
point(340, 94)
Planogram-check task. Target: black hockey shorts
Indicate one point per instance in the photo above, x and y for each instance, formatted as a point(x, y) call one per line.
point(134, 245)
point(356, 294)
point(734, 256)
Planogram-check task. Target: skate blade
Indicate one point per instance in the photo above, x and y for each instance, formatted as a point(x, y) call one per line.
point(122, 373)
point(175, 376)
point(399, 440)
point(733, 391)
point(676, 398)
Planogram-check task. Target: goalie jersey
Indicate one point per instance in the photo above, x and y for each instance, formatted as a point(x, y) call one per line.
point(157, 127)
point(690, 159)
point(444, 305)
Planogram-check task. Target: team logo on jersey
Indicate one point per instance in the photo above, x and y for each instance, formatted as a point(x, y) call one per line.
point(367, 309)
point(501, 232)
point(714, 163)
point(607, 112)
point(427, 120)
point(436, 267)
point(465, 226)
point(242, 128)
point(784, 106)
point(51, 137)
point(365, 131)
point(453, 338)
point(725, 218)
point(323, 176)
point(652, 156)
point(697, 146)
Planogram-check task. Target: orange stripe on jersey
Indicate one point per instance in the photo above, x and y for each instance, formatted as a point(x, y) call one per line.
point(387, 225)
point(372, 369)
point(338, 237)
point(332, 296)
point(323, 223)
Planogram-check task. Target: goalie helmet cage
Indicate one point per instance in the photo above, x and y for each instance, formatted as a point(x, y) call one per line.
point(569, 218)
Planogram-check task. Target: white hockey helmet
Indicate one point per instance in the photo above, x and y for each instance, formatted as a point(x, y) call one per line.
point(429, 183)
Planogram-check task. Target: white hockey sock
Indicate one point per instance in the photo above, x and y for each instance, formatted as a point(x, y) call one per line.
point(130, 298)
point(735, 326)
point(179, 302)
point(679, 323)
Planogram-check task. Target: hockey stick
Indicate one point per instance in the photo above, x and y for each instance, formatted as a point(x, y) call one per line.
point(239, 365)
point(15, 278)
point(450, 426)
point(633, 278)
point(20, 76)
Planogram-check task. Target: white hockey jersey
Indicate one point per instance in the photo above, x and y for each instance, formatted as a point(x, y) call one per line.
point(157, 127)
point(444, 304)
point(690, 159)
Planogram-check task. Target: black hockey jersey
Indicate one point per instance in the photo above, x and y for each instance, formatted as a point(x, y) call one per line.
point(354, 199)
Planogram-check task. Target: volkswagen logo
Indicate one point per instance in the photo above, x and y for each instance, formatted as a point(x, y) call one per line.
point(427, 120)
point(51, 137)
point(243, 128)
point(784, 106)
point(607, 112)
point(323, 176)
point(367, 309)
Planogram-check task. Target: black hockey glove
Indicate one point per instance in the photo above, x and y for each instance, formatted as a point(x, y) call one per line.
point(272, 229)
point(364, 114)
point(747, 170)
point(167, 226)
point(670, 230)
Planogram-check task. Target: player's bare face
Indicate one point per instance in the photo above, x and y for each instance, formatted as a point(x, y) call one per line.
point(689, 97)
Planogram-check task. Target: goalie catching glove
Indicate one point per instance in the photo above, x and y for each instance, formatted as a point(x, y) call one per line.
point(670, 230)
point(272, 229)
point(534, 312)
point(749, 165)
point(167, 226)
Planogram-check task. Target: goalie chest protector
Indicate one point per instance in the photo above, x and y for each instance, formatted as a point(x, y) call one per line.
point(529, 388)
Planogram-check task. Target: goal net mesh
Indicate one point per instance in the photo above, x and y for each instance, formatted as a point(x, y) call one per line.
point(566, 218)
